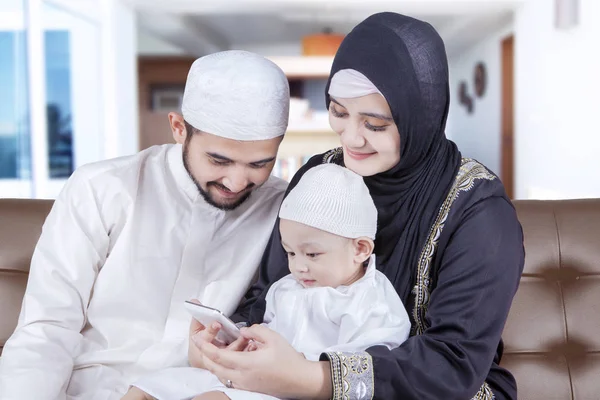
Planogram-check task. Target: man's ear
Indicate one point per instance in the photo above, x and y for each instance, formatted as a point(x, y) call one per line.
point(363, 248)
point(178, 127)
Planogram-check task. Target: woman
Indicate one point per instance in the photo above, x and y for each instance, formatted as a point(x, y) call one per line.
point(449, 239)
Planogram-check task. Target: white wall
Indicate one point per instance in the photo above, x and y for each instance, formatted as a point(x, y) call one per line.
point(557, 103)
point(274, 49)
point(150, 45)
point(478, 134)
point(125, 49)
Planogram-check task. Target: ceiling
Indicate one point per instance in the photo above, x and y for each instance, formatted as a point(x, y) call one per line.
point(263, 29)
point(267, 26)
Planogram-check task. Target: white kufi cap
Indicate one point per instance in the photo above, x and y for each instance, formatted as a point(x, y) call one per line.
point(237, 95)
point(334, 199)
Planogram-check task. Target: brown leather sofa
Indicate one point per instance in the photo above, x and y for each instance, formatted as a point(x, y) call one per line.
point(552, 338)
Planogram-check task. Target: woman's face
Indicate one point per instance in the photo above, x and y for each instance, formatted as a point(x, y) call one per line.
point(369, 136)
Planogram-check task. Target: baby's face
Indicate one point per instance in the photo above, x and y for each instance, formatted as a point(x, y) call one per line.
point(318, 258)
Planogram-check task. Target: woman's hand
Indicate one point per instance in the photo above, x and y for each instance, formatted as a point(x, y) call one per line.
point(274, 368)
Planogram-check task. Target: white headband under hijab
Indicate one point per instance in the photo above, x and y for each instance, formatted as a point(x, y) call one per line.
point(349, 83)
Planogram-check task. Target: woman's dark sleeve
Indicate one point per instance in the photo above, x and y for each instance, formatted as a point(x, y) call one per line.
point(477, 279)
point(273, 265)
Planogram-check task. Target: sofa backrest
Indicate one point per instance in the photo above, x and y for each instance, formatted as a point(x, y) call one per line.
point(20, 227)
point(552, 336)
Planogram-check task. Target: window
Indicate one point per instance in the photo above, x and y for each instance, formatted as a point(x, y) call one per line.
point(14, 130)
point(15, 149)
point(58, 104)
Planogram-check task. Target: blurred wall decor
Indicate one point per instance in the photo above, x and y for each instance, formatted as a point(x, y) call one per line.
point(465, 98)
point(480, 79)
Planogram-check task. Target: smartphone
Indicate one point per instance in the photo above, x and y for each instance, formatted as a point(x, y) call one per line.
point(207, 315)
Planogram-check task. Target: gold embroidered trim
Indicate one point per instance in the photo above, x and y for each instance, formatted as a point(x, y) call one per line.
point(336, 376)
point(352, 376)
point(331, 155)
point(485, 393)
point(469, 172)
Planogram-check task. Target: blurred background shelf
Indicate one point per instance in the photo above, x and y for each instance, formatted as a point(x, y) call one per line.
point(304, 67)
point(307, 143)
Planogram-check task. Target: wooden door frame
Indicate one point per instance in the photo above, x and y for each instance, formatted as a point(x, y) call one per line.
point(507, 113)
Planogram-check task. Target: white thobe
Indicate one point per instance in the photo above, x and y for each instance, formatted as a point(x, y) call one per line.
point(126, 243)
point(350, 318)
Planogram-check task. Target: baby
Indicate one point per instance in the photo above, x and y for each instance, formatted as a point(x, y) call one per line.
point(334, 299)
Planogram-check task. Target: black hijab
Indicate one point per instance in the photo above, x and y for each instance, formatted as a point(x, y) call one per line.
point(406, 60)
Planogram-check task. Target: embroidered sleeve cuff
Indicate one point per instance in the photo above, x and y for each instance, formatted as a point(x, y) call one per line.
point(485, 393)
point(351, 375)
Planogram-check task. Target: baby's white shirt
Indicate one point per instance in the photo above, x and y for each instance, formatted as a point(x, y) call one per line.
point(349, 318)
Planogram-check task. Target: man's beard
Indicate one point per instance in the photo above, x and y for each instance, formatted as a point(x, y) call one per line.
point(227, 206)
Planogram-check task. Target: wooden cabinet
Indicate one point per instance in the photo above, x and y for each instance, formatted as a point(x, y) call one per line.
point(160, 79)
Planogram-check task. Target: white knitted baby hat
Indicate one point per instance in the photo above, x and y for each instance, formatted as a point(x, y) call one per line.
point(333, 199)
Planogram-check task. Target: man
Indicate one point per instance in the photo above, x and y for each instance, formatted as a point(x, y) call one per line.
point(129, 240)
